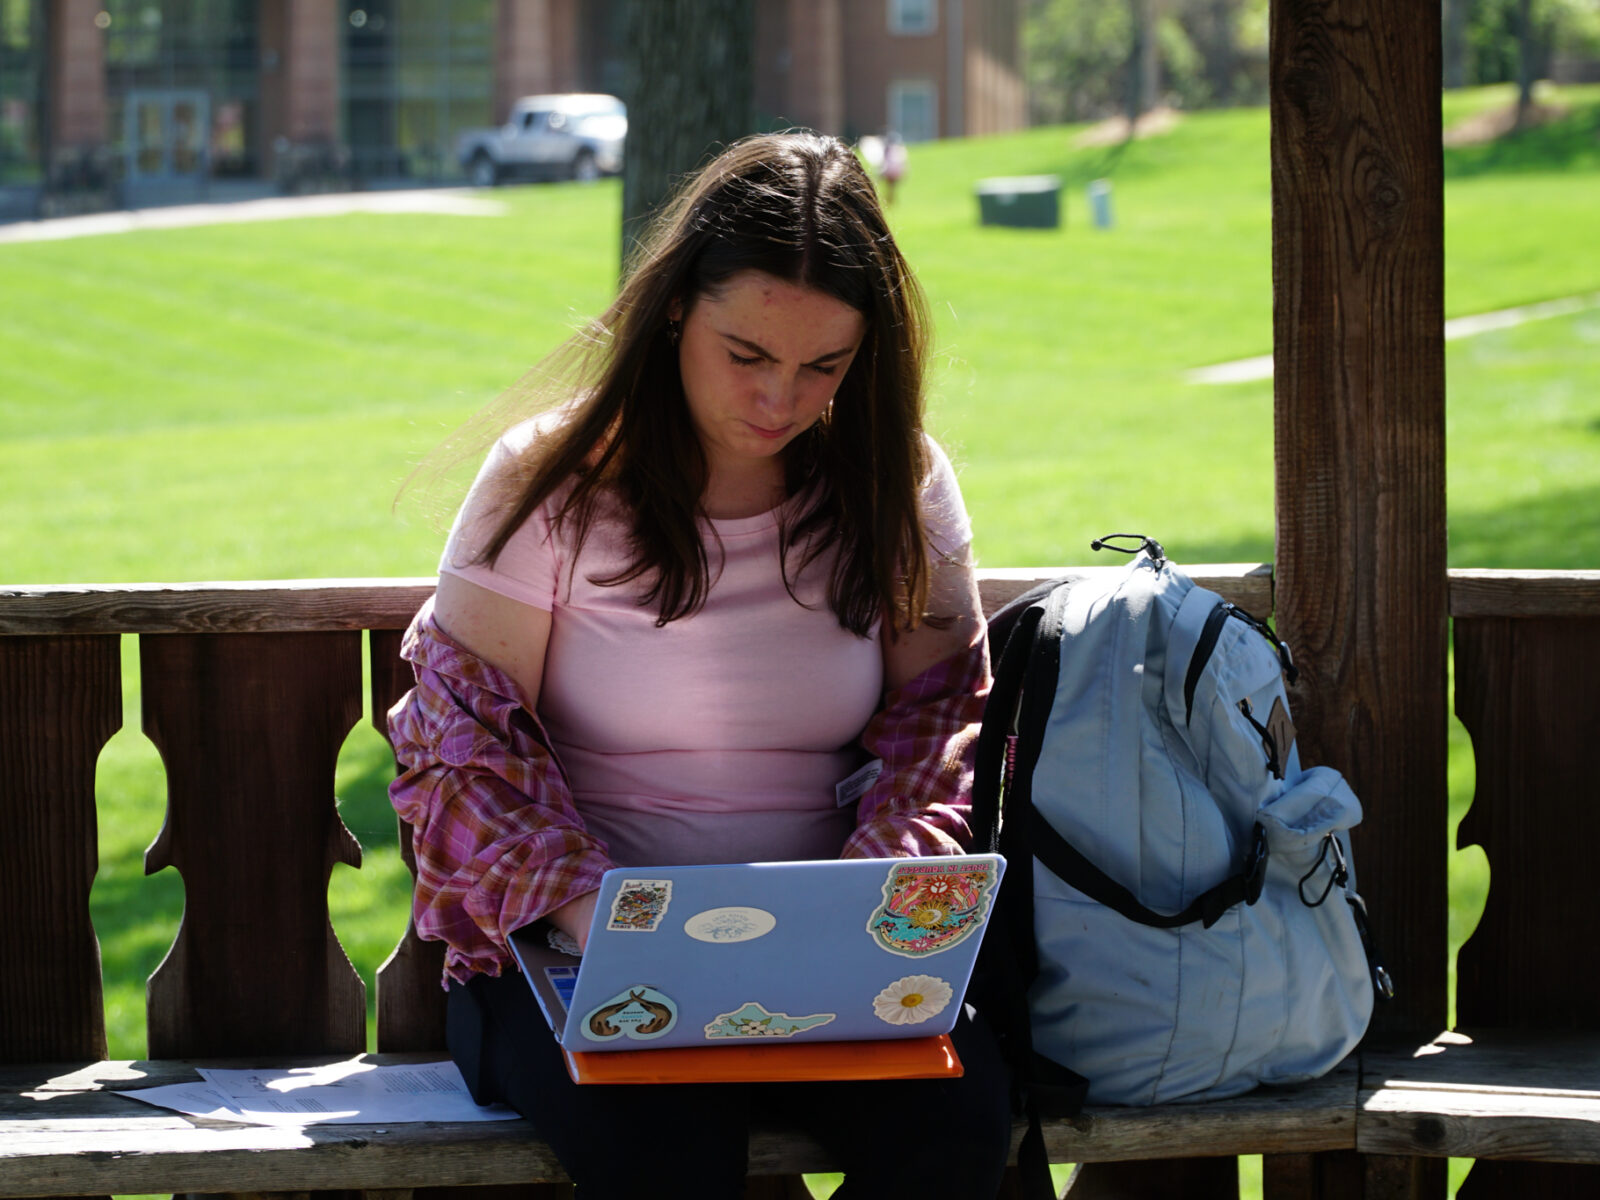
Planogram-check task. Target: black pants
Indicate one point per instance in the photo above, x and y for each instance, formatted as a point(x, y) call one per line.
point(927, 1138)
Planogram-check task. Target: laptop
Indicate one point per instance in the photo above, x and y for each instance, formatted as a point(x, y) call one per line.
point(769, 970)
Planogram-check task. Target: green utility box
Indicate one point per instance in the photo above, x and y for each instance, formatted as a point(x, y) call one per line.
point(1028, 201)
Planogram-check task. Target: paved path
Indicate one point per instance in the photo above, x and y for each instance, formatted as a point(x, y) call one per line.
point(459, 202)
point(1244, 370)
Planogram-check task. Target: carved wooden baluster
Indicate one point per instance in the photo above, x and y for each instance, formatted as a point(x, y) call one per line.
point(250, 726)
point(60, 700)
point(1525, 689)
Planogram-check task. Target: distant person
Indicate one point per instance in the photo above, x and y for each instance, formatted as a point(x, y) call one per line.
point(723, 571)
point(893, 168)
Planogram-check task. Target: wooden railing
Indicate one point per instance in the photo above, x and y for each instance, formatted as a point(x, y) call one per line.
point(250, 689)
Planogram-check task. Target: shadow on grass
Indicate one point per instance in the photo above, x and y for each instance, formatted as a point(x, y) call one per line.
point(369, 907)
point(1253, 548)
point(1557, 530)
point(135, 916)
point(366, 766)
point(1568, 143)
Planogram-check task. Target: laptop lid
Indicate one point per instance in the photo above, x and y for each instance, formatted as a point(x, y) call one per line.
point(832, 950)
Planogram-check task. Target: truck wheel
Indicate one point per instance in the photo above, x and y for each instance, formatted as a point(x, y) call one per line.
point(584, 168)
point(482, 171)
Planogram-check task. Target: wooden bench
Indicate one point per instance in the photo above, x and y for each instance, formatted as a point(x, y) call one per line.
point(249, 691)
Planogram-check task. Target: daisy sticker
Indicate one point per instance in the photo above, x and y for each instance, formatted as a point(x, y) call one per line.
point(912, 1000)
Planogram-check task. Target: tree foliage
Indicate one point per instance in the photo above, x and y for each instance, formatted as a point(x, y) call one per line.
point(1495, 43)
point(1084, 57)
point(1084, 62)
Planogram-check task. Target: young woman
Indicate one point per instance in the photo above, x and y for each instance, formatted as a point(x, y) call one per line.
point(674, 612)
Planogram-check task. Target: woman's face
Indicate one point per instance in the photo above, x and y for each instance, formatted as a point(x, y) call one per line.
point(760, 360)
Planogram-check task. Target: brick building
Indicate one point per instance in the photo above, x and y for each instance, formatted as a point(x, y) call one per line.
point(922, 68)
point(135, 102)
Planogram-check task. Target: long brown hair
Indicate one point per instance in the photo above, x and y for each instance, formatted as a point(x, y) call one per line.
point(797, 206)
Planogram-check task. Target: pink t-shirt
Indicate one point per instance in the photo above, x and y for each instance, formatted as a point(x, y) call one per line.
point(720, 736)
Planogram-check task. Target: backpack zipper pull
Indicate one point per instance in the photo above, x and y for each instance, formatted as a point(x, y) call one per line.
point(1149, 545)
point(1267, 743)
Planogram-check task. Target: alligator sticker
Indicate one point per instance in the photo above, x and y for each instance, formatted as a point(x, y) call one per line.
point(640, 905)
point(753, 1021)
point(931, 906)
point(640, 1013)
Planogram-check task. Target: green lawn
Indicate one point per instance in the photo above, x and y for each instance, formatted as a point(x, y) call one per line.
point(238, 402)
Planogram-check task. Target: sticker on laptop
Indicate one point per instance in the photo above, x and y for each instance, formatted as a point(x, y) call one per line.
point(912, 1000)
point(565, 982)
point(930, 906)
point(640, 905)
point(640, 1013)
point(733, 924)
point(753, 1021)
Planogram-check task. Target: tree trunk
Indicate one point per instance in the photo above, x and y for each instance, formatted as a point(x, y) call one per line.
point(1525, 54)
point(1455, 43)
point(1143, 59)
point(689, 93)
point(1221, 52)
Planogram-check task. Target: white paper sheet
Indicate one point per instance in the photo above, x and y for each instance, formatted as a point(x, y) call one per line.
point(353, 1092)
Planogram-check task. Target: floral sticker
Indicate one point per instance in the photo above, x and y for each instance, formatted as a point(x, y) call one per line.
point(753, 1021)
point(640, 905)
point(912, 1000)
point(929, 906)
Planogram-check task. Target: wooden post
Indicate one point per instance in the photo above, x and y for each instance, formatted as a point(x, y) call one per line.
point(1358, 281)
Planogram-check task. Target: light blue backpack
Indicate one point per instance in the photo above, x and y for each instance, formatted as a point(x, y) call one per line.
point(1191, 928)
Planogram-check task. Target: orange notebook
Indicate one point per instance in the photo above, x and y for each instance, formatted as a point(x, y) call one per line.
point(804, 1062)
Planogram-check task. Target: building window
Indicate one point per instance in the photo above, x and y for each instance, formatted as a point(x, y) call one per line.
point(913, 17)
point(183, 92)
point(22, 99)
point(914, 109)
point(416, 74)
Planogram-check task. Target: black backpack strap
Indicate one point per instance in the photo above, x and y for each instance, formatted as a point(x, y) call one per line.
point(1009, 961)
point(1066, 862)
point(1051, 1091)
point(1011, 636)
point(1007, 967)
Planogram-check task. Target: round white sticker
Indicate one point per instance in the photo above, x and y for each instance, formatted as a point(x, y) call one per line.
point(730, 924)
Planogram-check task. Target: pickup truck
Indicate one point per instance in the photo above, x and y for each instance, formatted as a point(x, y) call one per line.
point(569, 136)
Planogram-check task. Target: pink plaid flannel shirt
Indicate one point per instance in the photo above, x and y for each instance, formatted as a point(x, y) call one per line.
point(499, 842)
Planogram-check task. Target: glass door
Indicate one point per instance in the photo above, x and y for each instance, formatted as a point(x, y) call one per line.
point(168, 136)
